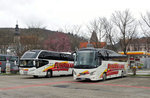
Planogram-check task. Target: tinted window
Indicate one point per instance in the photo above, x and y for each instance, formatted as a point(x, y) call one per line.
point(2, 58)
point(41, 63)
point(56, 56)
point(67, 57)
point(49, 55)
point(31, 54)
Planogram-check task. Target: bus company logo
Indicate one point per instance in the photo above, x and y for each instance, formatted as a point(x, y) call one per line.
point(60, 66)
point(84, 73)
point(63, 65)
point(115, 66)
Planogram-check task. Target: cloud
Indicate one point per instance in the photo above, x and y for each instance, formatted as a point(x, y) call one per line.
point(61, 12)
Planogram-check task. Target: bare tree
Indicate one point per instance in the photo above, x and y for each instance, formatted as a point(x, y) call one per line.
point(96, 26)
point(65, 29)
point(126, 25)
point(145, 26)
point(58, 42)
point(74, 31)
point(110, 33)
point(6, 39)
point(36, 24)
point(35, 30)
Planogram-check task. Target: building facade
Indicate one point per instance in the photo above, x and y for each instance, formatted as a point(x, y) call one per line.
point(140, 44)
point(94, 41)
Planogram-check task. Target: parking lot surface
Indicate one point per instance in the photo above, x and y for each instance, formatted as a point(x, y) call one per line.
point(17, 86)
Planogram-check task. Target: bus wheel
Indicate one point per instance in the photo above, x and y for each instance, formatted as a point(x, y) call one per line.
point(49, 74)
point(104, 76)
point(35, 76)
point(72, 73)
point(122, 74)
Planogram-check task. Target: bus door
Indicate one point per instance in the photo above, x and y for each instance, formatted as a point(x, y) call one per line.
point(41, 65)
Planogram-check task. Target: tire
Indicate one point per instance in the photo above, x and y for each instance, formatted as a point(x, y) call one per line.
point(122, 74)
point(72, 73)
point(104, 76)
point(35, 76)
point(49, 74)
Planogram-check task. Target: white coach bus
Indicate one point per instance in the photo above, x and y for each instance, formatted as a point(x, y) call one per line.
point(46, 63)
point(99, 64)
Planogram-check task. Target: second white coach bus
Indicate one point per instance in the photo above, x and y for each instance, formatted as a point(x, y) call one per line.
point(99, 64)
point(46, 63)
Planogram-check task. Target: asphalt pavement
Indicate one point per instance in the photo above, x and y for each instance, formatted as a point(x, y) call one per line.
point(140, 72)
point(17, 86)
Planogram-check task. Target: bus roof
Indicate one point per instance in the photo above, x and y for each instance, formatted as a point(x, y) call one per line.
point(103, 52)
point(34, 54)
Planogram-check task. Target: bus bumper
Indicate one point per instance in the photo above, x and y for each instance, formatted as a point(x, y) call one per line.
point(87, 77)
point(25, 71)
point(22, 72)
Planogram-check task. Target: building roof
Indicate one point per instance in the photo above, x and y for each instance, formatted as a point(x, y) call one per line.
point(94, 37)
point(95, 44)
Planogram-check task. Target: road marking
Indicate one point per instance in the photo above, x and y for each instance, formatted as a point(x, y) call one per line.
point(34, 85)
point(113, 85)
point(54, 83)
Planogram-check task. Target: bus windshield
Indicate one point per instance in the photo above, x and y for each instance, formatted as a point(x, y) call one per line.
point(31, 54)
point(26, 63)
point(85, 59)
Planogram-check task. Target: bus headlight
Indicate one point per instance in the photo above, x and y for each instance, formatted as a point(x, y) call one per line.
point(92, 73)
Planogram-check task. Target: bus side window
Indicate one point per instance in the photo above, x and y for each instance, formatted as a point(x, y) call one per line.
point(37, 63)
point(99, 61)
point(107, 55)
point(42, 63)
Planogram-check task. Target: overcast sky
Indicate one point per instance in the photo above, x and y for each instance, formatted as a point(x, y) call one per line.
point(54, 14)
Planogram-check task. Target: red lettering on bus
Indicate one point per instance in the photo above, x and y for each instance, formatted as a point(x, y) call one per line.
point(115, 66)
point(60, 66)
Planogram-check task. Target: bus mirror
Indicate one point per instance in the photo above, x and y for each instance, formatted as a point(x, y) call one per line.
point(15, 62)
point(101, 56)
point(73, 53)
point(96, 55)
point(107, 55)
point(33, 62)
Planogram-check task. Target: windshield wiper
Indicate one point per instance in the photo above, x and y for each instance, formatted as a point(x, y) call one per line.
point(78, 66)
point(84, 66)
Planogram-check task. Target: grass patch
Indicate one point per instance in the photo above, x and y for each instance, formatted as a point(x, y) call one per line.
point(139, 75)
point(142, 75)
point(9, 74)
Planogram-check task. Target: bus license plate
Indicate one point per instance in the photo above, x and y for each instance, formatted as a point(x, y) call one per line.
point(25, 72)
